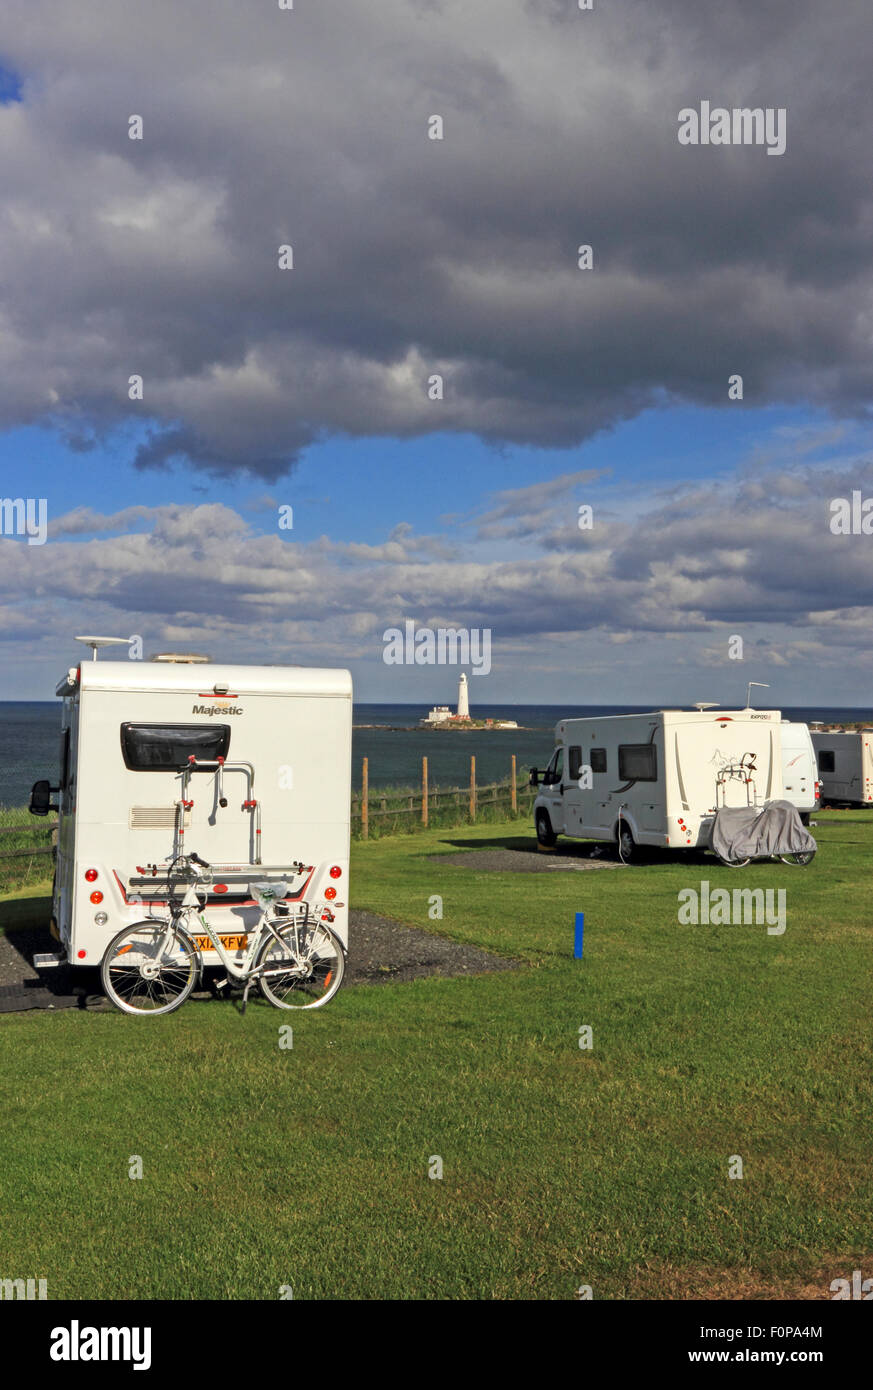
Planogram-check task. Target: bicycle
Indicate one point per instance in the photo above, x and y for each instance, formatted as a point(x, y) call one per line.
point(152, 966)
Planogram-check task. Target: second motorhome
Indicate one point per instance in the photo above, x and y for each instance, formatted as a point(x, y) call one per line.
point(845, 765)
point(657, 779)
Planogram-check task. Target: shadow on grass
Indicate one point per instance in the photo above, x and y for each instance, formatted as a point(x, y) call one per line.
point(580, 849)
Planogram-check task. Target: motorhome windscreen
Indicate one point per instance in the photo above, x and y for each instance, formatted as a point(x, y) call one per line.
point(167, 747)
point(638, 762)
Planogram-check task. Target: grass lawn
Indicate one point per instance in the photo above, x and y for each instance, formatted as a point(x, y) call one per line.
point(309, 1166)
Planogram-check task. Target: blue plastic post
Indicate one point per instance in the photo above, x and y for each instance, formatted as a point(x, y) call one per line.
point(580, 933)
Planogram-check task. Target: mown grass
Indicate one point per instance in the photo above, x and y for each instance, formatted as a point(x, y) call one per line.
point(309, 1166)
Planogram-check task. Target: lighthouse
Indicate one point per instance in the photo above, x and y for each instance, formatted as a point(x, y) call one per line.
point(463, 697)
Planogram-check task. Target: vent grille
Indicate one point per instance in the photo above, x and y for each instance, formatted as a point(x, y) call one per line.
point(155, 817)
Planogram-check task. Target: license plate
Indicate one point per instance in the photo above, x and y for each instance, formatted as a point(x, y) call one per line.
point(230, 943)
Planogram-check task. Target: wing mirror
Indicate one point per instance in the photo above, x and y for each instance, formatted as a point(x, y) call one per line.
point(41, 798)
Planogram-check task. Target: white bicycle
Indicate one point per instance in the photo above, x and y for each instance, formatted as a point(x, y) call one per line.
point(152, 966)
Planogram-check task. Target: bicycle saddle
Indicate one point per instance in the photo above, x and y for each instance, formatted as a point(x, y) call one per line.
point(266, 893)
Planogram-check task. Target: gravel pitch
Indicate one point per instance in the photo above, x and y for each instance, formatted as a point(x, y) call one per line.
point(380, 951)
point(520, 861)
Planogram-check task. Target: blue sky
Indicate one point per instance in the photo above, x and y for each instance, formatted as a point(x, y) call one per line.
point(356, 489)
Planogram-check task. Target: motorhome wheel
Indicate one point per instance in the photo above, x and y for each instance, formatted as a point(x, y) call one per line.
point(545, 833)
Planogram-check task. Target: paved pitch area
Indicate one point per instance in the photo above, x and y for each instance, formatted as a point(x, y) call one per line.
point(522, 861)
point(380, 951)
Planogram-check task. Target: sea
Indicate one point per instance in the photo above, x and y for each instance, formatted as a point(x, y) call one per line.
point(389, 736)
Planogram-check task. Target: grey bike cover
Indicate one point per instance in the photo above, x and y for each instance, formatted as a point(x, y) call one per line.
point(756, 832)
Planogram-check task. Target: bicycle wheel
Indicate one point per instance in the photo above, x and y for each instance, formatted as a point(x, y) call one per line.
point(306, 970)
point(799, 860)
point(141, 976)
point(731, 863)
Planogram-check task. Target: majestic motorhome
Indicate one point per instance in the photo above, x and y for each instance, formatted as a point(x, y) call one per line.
point(845, 765)
point(247, 766)
point(657, 779)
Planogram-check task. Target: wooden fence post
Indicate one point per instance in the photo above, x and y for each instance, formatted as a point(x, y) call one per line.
point(472, 787)
point(424, 791)
point(514, 793)
point(365, 802)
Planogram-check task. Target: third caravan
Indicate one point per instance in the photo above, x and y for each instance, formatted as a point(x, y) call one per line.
point(657, 779)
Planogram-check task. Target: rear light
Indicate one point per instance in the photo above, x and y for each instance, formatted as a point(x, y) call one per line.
point(81, 954)
point(90, 875)
point(101, 918)
point(219, 887)
point(97, 897)
point(330, 893)
point(336, 871)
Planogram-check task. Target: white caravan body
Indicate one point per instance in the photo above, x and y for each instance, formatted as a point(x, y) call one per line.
point(845, 765)
point(666, 772)
point(125, 809)
point(800, 783)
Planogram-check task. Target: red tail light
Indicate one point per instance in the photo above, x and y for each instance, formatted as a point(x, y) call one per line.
point(90, 875)
point(336, 871)
point(330, 893)
point(97, 897)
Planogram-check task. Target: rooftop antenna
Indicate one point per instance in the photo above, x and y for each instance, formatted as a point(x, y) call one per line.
point(762, 684)
point(701, 705)
point(96, 642)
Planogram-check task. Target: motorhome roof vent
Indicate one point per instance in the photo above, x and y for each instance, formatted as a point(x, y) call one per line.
point(706, 704)
point(181, 658)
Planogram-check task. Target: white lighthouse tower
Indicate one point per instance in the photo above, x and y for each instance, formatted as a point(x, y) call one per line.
point(463, 697)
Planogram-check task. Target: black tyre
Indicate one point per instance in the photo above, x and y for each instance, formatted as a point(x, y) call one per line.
point(545, 833)
point(150, 968)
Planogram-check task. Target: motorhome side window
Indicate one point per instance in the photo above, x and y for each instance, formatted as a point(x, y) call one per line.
point(167, 747)
point(598, 759)
point(574, 763)
point(638, 762)
point(555, 767)
point(826, 760)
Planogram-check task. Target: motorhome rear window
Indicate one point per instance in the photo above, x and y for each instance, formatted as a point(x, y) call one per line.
point(598, 759)
point(825, 761)
point(167, 747)
point(638, 762)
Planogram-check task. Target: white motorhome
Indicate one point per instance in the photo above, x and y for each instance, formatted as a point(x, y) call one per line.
point(845, 765)
point(656, 779)
point(800, 784)
point(247, 766)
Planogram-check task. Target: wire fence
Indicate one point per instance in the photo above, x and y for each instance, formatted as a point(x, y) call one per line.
point(391, 811)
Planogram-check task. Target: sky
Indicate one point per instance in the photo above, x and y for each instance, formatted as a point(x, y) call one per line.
point(307, 388)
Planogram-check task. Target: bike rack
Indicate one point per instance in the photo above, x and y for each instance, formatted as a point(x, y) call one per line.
point(736, 772)
point(219, 766)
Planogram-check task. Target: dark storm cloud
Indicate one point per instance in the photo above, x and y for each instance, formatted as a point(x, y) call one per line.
point(309, 127)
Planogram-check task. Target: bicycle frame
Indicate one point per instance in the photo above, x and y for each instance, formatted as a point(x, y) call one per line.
point(190, 906)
